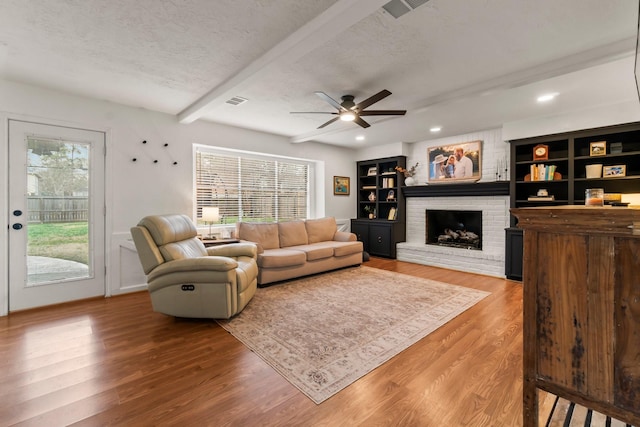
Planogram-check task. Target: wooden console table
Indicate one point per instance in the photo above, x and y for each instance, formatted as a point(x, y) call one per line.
point(581, 279)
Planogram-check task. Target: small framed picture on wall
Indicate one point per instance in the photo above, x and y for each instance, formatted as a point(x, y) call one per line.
point(340, 185)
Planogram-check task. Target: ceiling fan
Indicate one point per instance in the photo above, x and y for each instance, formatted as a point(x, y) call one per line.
point(350, 111)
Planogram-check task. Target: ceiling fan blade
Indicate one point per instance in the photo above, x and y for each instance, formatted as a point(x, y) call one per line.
point(372, 99)
point(361, 122)
point(312, 112)
point(330, 100)
point(328, 123)
point(383, 113)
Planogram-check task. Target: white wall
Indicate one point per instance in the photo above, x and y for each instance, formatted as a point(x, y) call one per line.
point(587, 118)
point(136, 189)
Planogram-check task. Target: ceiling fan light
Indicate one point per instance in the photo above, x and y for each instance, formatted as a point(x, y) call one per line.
point(347, 116)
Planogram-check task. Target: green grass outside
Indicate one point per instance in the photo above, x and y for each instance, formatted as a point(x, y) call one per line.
point(68, 240)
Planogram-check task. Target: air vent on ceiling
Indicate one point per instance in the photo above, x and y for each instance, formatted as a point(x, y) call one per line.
point(397, 8)
point(236, 100)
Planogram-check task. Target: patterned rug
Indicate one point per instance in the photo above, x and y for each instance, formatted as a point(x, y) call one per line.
point(324, 332)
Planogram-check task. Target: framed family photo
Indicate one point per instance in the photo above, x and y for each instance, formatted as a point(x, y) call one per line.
point(341, 185)
point(460, 162)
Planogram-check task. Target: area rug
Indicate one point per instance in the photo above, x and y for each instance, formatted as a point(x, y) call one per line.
point(324, 332)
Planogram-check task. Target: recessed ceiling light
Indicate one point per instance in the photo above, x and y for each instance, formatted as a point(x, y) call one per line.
point(360, 138)
point(547, 97)
point(435, 129)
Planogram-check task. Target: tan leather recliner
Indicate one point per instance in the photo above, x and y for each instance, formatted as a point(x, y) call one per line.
point(185, 279)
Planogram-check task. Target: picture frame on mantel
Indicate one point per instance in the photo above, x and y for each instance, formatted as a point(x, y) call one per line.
point(461, 162)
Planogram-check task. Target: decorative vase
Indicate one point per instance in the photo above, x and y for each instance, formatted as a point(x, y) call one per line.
point(409, 181)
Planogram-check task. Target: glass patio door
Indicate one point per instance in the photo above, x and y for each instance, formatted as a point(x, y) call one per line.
point(56, 199)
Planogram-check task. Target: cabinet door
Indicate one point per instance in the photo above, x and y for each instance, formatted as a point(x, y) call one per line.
point(626, 321)
point(362, 233)
point(380, 239)
point(513, 256)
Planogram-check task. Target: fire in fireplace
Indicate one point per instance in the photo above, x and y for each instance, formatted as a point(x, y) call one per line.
point(454, 228)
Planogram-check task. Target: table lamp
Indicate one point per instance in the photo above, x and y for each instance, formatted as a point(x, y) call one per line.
point(210, 214)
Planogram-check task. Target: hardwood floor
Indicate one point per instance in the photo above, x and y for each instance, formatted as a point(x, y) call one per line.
point(115, 362)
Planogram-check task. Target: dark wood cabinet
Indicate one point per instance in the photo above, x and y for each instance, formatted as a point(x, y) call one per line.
point(581, 324)
point(513, 253)
point(568, 155)
point(379, 237)
point(380, 222)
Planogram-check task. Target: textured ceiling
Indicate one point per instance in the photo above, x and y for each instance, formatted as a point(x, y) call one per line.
point(464, 65)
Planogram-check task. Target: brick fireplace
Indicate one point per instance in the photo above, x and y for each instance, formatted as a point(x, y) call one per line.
point(492, 203)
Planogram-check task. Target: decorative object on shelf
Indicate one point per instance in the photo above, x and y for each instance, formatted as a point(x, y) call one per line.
point(372, 171)
point(594, 171)
point(372, 197)
point(547, 198)
point(616, 148)
point(542, 195)
point(594, 197)
point(210, 214)
point(408, 173)
point(458, 162)
point(393, 213)
point(371, 211)
point(614, 171)
point(391, 196)
point(540, 152)
point(409, 181)
point(340, 185)
point(598, 148)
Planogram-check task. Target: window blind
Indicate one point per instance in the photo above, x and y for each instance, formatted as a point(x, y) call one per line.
point(250, 188)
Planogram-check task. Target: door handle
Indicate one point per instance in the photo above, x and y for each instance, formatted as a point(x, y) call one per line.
point(17, 226)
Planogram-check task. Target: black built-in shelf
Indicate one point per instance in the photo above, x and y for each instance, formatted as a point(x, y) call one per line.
point(380, 178)
point(570, 153)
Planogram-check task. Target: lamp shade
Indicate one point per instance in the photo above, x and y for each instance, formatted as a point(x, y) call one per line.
point(210, 214)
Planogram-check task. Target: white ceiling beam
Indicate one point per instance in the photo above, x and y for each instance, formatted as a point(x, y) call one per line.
point(340, 16)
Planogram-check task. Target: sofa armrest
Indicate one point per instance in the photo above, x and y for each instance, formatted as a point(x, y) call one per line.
point(259, 247)
point(343, 236)
point(234, 250)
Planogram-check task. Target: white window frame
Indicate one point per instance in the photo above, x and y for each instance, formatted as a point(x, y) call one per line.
point(311, 177)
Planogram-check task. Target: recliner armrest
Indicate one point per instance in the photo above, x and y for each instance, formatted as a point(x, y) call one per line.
point(343, 236)
point(234, 250)
point(206, 263)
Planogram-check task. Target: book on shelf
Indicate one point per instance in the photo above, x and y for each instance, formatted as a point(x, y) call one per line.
point(388, 182)
point(369, 187)
point(548, 198)
point(542, 172)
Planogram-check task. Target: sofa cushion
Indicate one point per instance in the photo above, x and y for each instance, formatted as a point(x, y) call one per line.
point(273, 258)
point(265, 234)
point(315, 251)
point(321, 230)
point(292, 233)
point(347, 248)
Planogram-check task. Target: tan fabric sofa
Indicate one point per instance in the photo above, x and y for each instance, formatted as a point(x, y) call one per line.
point(298, 248)
point(184, 278)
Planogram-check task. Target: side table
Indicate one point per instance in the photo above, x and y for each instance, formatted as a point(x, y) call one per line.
point(218, 242)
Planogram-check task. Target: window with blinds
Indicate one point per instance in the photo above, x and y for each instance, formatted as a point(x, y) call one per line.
point(250, 188)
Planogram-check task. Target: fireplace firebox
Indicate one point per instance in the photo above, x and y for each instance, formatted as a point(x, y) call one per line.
point(454, 228)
